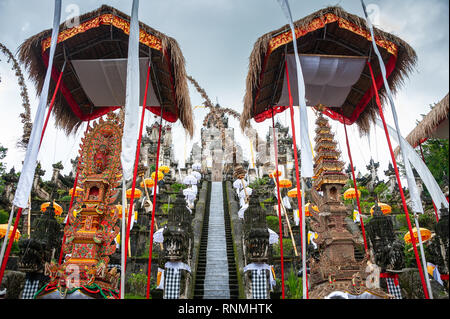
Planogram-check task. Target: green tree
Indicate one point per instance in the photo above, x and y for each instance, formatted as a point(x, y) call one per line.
point(435, 152)
point(3, 151)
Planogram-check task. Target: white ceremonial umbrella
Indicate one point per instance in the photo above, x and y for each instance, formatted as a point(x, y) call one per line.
point(197, 175)
point(189, 194)
point(190, 180)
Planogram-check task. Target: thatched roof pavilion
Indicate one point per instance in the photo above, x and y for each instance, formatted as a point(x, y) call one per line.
point(103, 34)
point(330, 31)
point(433, 125)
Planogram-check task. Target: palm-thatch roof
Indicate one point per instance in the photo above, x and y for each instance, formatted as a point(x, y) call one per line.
point(427, 127)
point(330, 31)
point(103, 34)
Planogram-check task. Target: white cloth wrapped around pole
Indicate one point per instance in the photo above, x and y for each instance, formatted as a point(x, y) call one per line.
point(244, 193)
point(152, 190)
point(239, 184)
point(273, 237)
point(296, 217)
point(189, 194)
point(197, 175)
point(241, 201)
point(286, 202)
point(242, 210)
point(158, 236)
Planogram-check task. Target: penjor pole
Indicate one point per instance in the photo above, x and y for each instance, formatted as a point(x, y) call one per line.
point(300, 199)
point(405, 209)
point(427, 291)
point(278, 201)
point(306, 154)
point(356, 188)
point(138, 151)
point(29, 167)
point(131, 120)
point(149, 272)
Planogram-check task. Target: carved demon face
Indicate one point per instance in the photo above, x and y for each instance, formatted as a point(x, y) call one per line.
point(33, 255)
point(176, 244)
point(387, 249)
point(45, 238)
point(257, 245)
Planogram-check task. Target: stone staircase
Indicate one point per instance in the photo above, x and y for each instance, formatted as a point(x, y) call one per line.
point(216, 276)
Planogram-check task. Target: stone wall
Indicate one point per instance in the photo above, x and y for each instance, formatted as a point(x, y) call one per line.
point(197, 225)
point(237, 231)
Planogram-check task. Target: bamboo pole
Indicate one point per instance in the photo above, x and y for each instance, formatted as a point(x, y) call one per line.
point(279, 207)
point(29, 217)
point(405, 209)
point(126, 227)
point(300, 196)
point(156, 223)
point(4, 255)
point(245, 190)
point(289, 225)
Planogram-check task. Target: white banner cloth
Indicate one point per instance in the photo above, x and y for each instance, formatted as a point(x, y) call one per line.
point(422, 169)
point(273, 237)
point(286, 202)
point(131, 122)
point(29, 165)
point(410, 178)
point(306, 153)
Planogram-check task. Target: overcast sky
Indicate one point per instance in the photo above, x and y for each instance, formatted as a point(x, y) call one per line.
point(216, 38)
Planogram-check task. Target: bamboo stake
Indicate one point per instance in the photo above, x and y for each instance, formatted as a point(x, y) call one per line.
point(156, 223)
point(126, 227)
point(29, 217)
point(245, 191)
point(289, 224)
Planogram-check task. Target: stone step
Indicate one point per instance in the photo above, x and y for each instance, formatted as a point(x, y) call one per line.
point(216, 281)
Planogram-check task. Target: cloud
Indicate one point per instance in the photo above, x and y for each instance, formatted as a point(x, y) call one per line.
point(216, 38)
